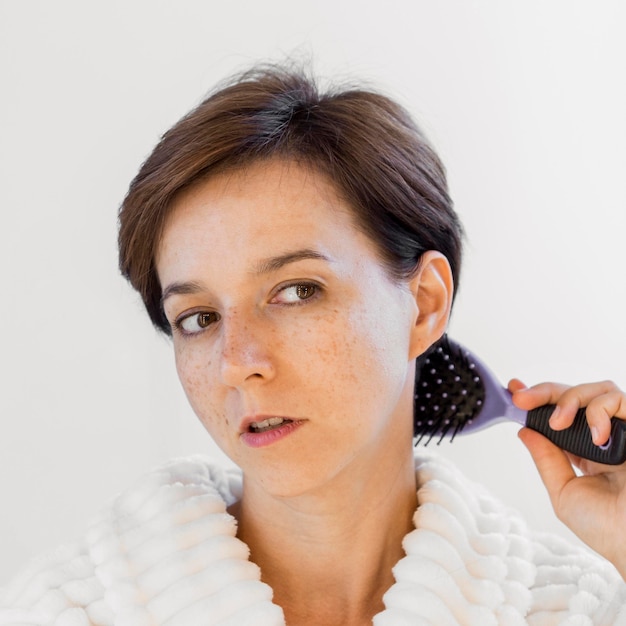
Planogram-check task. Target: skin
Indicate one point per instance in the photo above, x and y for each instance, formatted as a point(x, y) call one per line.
point(342, 361)
point(280, 306)
point(592, 505)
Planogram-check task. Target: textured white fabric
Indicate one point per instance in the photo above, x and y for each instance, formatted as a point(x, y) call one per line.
point(166, 553)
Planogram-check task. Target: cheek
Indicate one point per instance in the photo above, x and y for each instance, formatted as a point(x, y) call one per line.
point(379, 360)
point(357, 359)
point(380, 335)
point(195, 378)
point(333, 343)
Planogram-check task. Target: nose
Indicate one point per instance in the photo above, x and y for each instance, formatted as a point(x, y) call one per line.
point(244, 351)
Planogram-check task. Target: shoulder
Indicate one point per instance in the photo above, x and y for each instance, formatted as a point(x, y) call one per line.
point(165, 546)
point(577, 581)
point(540, 575)
point(56, 588)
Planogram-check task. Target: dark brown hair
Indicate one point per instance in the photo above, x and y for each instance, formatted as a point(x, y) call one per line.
point(364, 142)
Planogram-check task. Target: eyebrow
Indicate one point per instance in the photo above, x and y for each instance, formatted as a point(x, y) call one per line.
point(273, 264)
point(265, 266)
point(180, 288)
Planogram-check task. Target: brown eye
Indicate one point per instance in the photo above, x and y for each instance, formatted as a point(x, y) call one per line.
point(198, 322)
point(296, 293)
point(204, 319)
point(305, 291)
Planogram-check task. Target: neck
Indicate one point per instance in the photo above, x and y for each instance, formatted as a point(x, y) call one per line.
point(341, 542)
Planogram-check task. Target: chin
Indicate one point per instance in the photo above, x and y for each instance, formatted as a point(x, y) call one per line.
point(298, 477)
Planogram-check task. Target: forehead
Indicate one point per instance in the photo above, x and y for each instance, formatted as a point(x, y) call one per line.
point(259, 210)
point(268, 184)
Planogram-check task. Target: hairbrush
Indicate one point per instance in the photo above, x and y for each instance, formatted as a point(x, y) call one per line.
point(455, 393)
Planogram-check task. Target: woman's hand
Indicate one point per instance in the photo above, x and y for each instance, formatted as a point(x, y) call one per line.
point(593, 505)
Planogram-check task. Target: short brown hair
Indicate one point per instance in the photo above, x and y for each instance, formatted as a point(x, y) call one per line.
point(366, 143)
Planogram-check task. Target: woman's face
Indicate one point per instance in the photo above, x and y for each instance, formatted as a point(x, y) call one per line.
point(294, 347)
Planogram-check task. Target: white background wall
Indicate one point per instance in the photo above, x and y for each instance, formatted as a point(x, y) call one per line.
point(524, 100)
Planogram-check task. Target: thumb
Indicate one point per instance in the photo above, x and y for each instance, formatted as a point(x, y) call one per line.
point(553, 465)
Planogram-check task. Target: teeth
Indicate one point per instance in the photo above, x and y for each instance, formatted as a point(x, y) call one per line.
point(271, 422)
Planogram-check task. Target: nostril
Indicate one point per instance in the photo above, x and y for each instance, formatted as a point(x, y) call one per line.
point(247, 367)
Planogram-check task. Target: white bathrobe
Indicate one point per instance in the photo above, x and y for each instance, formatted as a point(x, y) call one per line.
point(165, 553)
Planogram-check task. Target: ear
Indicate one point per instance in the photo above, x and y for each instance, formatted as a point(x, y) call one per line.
point(432, 287)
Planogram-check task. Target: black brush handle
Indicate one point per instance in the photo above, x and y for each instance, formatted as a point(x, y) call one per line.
point(577, 438)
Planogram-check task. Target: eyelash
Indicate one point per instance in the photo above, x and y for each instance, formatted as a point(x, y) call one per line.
point(313, 287)
point(178, 324)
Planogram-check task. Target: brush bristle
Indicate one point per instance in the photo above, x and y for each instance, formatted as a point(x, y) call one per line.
point(448, 393)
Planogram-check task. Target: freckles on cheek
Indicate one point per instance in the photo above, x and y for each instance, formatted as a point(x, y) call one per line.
point(336, 349)
point(195, 380)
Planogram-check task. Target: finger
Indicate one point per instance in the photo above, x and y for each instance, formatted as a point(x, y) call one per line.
point(568, 400)
point(528, 398)
point(581, 396)
point(515, 384)
point(537, 395)
point(552, 463)
point(613, 403)
point(558, 393)
point(599, 412)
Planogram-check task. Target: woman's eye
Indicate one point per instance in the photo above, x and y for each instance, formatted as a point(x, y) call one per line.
point(296, 293)
point(197, 322)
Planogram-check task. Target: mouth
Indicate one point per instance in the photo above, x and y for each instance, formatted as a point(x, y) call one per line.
point(268, 424)
point(261, 431)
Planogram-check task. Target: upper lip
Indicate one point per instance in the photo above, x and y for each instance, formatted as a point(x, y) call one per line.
point(244, 427)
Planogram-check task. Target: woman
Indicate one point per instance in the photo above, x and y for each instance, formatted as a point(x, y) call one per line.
point(302, 252)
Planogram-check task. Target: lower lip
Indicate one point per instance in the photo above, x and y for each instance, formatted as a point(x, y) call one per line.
point(267, 438)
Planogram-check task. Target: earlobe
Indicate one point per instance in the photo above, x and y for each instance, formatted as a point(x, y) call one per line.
point(432, 287)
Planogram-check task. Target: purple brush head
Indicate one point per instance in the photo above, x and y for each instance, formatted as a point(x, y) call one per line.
point(456, 393)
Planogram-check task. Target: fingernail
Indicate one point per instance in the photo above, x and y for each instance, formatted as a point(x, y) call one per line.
point(554, 418)
point(595, 434)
